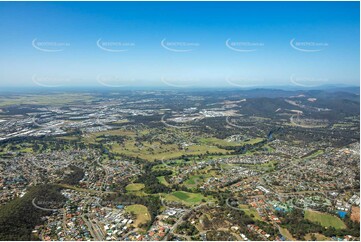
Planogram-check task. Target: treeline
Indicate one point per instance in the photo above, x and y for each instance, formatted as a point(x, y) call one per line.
point(113, 138)
point(242, 149)
point(149, 178)
point(19, 216)
point(151, 202)
point(187, 228)
point(218, 127)
point(44, 143)
point(216, 235)
point(74, 177)
point(242, 220)
point(299, 227)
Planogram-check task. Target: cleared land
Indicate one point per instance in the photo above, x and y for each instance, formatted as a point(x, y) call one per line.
point(134, 187)
point(355, 214)
point(324, 219)
point(54, 99)
point(287, 234)
point(319, 237)
point(252, 212)
point(314, 154)
point(195, 180)
point(162, 180)
point(140, 211)
point(155, 150)
point(95, 137)
point(221, 142)
point(185, 197)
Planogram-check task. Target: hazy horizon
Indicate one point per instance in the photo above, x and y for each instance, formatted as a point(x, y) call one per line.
point(179, 44)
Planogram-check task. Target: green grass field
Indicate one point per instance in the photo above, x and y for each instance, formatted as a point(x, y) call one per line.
point(221, 142)
point(140, 211)
point(314, 154)
point(319, 237)
point(162, 180)
point(186, 197)
point(287, 234)
point(46, 99)
point(157, 151)
point(195, 180)
point(250, 211)
point(325, 219)
point(134, 187)
point(94, 137)
point(68, 138)
point(215, 141)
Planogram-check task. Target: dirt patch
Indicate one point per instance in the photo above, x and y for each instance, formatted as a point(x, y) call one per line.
point(355, 214)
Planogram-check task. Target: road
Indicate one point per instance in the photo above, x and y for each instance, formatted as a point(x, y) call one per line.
point(230, 206)
point(237, 126)
point(180, 220)
point(173, 126)
point(93, 228)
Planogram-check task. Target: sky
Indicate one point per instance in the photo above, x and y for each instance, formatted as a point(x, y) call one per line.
point(179, 44)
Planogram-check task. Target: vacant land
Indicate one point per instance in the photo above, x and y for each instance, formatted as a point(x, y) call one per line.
point(157, 151)
point(162, 180)
point(96, 136)
point(44, 99)
point(134, 187)
point(250, 212)
point(314, 154)
point(287, 234)
point(324, 219)
point(319, 237)
point(140, 211)
point(355, 214)
point(221, 142)
point(195, 180)
point(185, 197)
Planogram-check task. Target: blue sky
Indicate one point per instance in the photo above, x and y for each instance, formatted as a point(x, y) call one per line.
point(204, 44)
